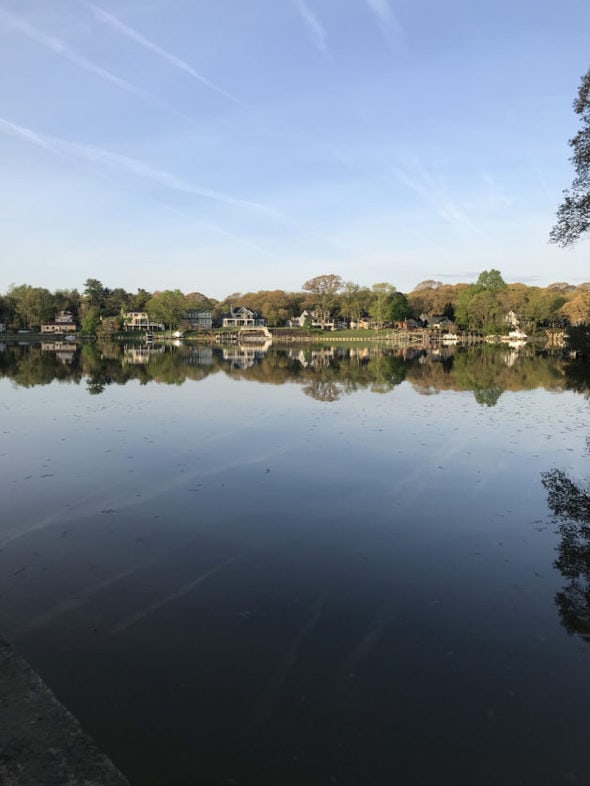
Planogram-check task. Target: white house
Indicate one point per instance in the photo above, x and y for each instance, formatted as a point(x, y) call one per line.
point(139, 320)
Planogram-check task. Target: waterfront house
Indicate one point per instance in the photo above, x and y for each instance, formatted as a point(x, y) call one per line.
point(314, 319)
point(63, 323)
point(441, 322)
point(196, 319)
point(242, 317)
point(140, 320)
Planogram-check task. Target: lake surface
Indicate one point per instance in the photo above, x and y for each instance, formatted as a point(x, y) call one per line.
point(304, 566)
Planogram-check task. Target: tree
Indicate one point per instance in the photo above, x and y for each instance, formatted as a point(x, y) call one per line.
point(573, 215)
point(577, 309)
point(67, 300)
point(167, 307)
point(380, 307)
point(490, 281)
point(482, 306)
point(32, 305)
point(354, 301)
point(116, 302)
point(94, 292)
point(399, 308)
point(90, 321)
point(323, 291)
point(139, 301)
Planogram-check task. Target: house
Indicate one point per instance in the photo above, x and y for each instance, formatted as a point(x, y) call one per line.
point(195, 319)
point(511, 319)
point(139, 320)
point(365, 323)
point(314, 319)
point(441, 322)
point(410, 324)
point(63, 323)
point(242, 317)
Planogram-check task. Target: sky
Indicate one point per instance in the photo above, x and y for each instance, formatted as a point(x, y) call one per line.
point(223, 146)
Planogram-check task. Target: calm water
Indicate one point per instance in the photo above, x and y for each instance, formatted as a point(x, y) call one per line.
point(304, 567)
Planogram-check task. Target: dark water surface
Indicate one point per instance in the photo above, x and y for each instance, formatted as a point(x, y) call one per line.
point(327, 567)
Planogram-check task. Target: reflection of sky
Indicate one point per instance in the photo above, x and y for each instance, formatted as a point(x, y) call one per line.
point(72, 449)
point(255, 545)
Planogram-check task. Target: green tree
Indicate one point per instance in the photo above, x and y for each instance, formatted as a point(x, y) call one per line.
point(490, 281)
point(482, 306)
point(116, 302)
point(167, 307)
point(399, 307)
point(573, 215)
point(90, 321)
point(67, 300)
point(94, 292)
point(381, 302)
point(138, 302)
point(32, 305)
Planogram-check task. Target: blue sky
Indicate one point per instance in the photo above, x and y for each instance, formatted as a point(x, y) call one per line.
point(235, 145)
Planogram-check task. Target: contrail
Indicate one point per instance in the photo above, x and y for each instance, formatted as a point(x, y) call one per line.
point(387, 19)
point(134, 35)
point(316, 29)
point(132, 166)
point(60, 48)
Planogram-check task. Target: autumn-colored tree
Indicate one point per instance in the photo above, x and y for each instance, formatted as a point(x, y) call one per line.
point(577, 309)
point(322, 294)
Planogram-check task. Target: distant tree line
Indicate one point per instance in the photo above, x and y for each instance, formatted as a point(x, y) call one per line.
point(482, 307)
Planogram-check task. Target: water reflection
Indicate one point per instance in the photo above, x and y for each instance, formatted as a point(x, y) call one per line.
point(233, 584)
point(324, 373)
point(571, 504)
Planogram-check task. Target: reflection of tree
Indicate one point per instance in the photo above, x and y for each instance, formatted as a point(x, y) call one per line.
point(571, 504)
point(489, 396)
point(320, 369)
point(322, 390)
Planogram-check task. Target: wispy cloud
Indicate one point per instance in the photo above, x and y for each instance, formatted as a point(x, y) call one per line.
point(316, 30)
point(120, 27)
point(126, 165)
point(388, 21)
point(61, 49)
point(216, 229)
point(420, 180)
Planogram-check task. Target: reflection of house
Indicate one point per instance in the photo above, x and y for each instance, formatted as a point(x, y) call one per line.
point(64, 351)
point(199, 355)
point(63, 323)
point(243, 317)
point(244, 357)
point(139, 320)
point(135, 356)
point(194, 319)
point(317, 358)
